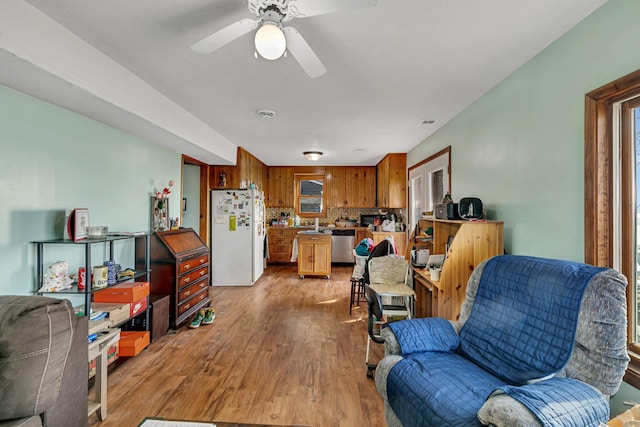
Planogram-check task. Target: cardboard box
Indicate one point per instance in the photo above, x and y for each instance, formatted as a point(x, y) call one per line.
point(124, 292)
point(112, 356)
point(137, 307)
point(116, 312)
point(133, 342)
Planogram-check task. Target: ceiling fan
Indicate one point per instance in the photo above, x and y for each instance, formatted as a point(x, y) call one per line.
point(273, 40)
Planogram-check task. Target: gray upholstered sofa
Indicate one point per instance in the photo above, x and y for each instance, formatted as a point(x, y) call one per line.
point(43, 363)
point(539, 342)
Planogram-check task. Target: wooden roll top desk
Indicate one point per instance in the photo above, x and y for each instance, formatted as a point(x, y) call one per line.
point(472, 242)
point(180, 269)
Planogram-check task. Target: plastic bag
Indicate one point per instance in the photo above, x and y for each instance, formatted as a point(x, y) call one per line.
point(56, 278)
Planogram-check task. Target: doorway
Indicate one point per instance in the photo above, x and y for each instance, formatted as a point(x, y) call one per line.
point(429, 181)
point(195, 196)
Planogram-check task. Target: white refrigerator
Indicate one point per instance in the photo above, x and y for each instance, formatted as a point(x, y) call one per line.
point(237, 237)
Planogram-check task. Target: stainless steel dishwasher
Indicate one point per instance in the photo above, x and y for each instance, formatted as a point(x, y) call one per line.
point(342, 244)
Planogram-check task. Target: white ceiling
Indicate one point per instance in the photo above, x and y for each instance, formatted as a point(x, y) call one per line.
point(389, 67)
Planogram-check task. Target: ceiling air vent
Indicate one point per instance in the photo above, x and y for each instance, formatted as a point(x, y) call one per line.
point(427, 123)
point(266, 114)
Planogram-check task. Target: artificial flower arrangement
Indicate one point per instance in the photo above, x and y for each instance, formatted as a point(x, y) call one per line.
point(163, 195)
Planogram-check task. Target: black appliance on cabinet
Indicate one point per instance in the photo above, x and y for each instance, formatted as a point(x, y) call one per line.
point(366, 220)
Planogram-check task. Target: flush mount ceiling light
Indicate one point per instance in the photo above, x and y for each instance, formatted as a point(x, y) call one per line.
point(313, 155)
point(270, 41)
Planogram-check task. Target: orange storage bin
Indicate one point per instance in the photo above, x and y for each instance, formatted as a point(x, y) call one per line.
point(124, 292)
point(133, 342)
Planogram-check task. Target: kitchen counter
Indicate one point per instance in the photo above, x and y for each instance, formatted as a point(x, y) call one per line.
point(281, 240)
point(310, 227)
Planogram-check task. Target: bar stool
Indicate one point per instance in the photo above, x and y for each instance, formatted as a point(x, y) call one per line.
point(357, 281)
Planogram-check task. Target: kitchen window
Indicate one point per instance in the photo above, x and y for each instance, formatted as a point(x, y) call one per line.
point(310, 196)
point(612, 171)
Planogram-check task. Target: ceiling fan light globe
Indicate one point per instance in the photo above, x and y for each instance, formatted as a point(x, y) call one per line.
point(270, 42)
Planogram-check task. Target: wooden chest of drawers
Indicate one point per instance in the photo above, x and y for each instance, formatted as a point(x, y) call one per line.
point(180, 269)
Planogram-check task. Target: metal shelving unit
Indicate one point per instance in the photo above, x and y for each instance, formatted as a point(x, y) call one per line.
point(107, 335)
point(140, 275)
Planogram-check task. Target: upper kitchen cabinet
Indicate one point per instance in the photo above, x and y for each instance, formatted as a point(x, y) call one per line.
point(361, 186)
point(351, 187)
point(280, 194)
point(251, 169)
point(392, 181)
point(248, 169)
point(336, 192)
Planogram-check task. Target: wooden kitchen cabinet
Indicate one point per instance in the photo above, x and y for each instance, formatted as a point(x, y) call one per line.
point(314, 255)
point(336, 194)
point(351, 187)
point(361, 233)
point(399, 237)
point(251, 169)
point(361, 186)
point(392, 181)
point(280, 194)
point(180, 269)
point(248, 169)
point(280, 244)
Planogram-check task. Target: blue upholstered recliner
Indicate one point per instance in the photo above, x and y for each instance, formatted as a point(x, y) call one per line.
point(539, 342)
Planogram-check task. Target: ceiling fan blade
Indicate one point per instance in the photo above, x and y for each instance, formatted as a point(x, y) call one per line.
point(302, 52)
point(224, 36)
point(304, 8)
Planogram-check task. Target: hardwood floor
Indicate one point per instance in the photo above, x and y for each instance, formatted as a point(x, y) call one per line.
point(284, 351)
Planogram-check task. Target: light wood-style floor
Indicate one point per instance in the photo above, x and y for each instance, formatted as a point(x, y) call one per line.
point(284, 351)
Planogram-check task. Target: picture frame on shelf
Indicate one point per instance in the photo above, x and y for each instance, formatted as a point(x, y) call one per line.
point(80, 224)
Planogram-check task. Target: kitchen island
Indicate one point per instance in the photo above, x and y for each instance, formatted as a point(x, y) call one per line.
point(314, 253)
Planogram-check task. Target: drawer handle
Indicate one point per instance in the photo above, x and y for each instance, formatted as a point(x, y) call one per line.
point(202, 261)
point(202, 285)
point(202, 273)
point(186, 294)
point(187, 279)
point(186, 306)
point(187, 266)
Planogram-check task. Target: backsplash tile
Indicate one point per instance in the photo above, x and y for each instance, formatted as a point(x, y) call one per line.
point(332, 215)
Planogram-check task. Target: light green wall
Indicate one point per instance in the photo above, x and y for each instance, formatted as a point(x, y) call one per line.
point(520, 147)
point(52, 160)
